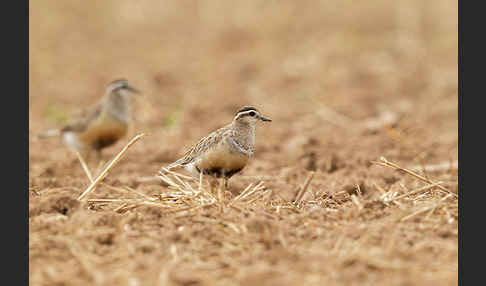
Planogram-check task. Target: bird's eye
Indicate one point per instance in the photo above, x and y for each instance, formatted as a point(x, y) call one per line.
point(252, 113)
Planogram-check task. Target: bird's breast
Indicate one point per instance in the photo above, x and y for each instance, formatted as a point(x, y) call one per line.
point(105, 127)
point(222, 157)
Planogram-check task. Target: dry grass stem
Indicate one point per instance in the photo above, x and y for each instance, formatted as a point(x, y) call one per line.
point(303, 190)
point(259, 196)
point(180, 185)
point(185, 191)
point(138, 193)
point(108, 168)
point(413, 192)
point(149, 179)
point(446, 166)
point(167, 180)
point(431, 208)
point(380, 189)
point(183, 183)
point(118, 209)
point(358, 190)
point(243, 192)
point(356, 201)
point(386, 163)
point(247, 194)
point(178, 174)
point(407, 217)
point(112, 200)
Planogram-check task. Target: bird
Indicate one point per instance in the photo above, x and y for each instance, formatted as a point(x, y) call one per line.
point(226, 151)
point(101, 125)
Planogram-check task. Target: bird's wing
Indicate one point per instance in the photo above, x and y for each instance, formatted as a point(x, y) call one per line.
point(83, 120)
point(202, 146)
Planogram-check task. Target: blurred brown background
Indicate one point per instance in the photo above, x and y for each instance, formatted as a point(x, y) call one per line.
point(269, 53)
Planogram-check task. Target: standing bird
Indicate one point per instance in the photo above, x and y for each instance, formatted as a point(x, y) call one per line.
point(102, 125)
point(225, 151)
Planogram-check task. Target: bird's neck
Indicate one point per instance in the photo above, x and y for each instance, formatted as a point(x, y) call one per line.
point(118, 105)
point(246, 132)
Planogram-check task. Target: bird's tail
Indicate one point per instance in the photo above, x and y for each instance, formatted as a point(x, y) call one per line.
point(173, 165)
point(49, 133)
point(176, 165)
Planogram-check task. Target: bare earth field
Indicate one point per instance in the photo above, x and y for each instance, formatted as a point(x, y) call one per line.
point(346, 83)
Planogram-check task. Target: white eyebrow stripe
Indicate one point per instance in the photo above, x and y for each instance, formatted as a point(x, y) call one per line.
point(242, 113)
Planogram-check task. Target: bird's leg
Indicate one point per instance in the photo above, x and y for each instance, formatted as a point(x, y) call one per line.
point(213, 184)
point(221, 191)
point(200, 181)
point(101, 164)
point(99, 154)
point(85, 154)
point(226, 184)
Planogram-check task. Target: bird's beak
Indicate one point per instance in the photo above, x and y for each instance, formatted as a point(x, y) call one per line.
point(262, 118)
